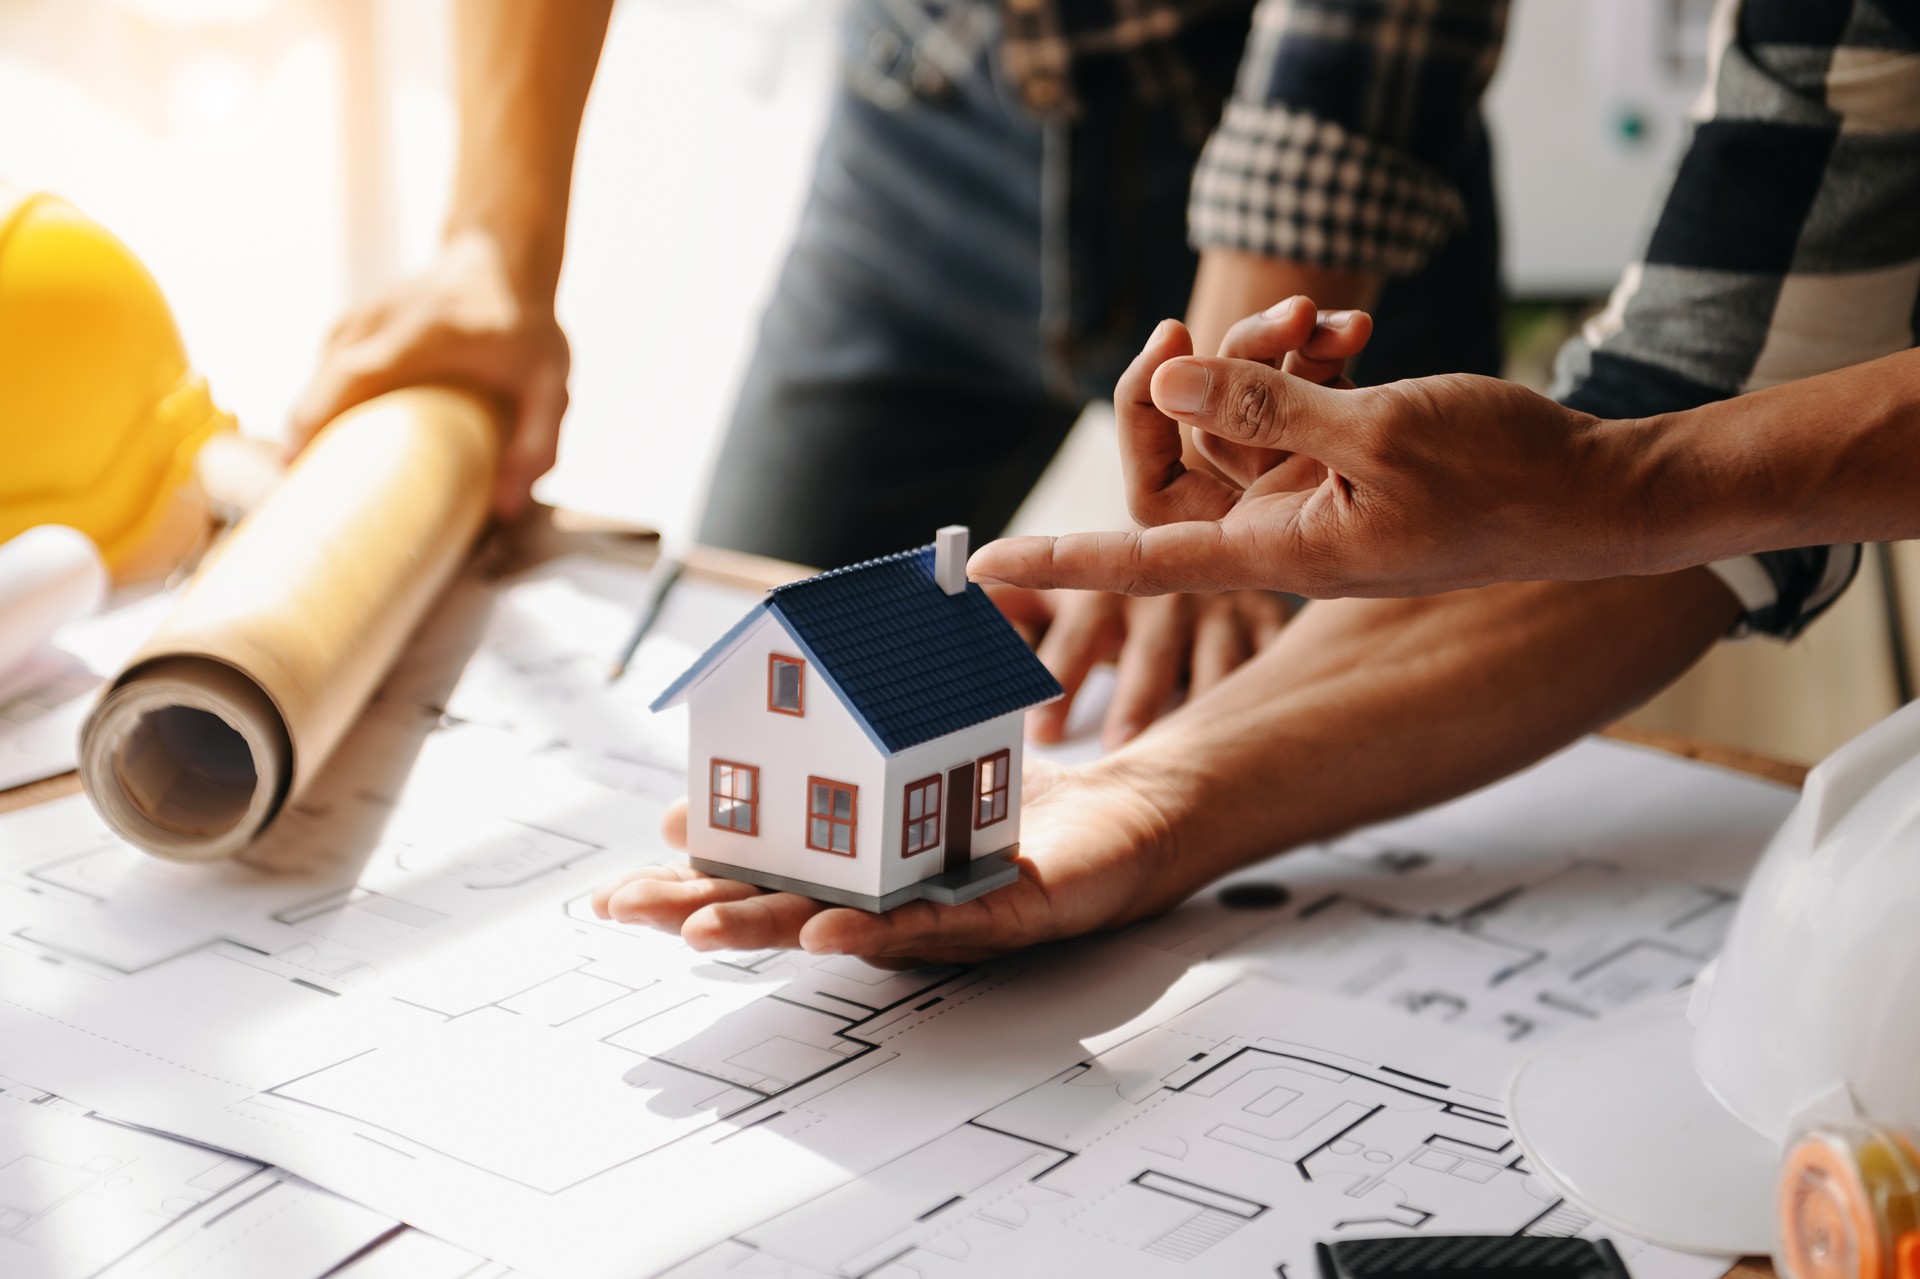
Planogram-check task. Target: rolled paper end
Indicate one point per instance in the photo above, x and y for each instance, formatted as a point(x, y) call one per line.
point(186, 758)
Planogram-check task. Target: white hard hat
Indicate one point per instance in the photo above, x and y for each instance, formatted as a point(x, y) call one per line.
point(1668, 1121)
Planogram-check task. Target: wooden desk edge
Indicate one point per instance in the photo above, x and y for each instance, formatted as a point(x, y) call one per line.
point(1728, 757)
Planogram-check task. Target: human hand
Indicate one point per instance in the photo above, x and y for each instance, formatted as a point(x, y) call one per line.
point(1292, 336)
point(1097, 850)
point(1427, 485)
point(463, 323)
point(1158, 644)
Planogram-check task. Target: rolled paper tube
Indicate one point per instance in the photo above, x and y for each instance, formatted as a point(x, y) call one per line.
point(1850, 1204)
point(226, 714)
point(49, 575)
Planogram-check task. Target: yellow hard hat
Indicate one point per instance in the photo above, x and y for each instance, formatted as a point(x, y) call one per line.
point(100, 416)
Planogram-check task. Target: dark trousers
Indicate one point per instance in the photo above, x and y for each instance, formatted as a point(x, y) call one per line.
point(965, 280)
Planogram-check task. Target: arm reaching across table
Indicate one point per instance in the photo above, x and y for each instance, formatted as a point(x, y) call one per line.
point(1434, 484)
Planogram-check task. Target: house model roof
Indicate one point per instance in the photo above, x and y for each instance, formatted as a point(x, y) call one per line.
point(912, 662)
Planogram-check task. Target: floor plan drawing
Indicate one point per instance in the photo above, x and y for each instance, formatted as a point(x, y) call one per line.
point(540, 670)
point(1446, 917)
point(83, 1197)
point(351, 1025)
point(1533, 957)
point(1224, 1140)
point(402, 995)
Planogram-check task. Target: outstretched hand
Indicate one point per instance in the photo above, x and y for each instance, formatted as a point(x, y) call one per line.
point(1096, 853)
point(1426, 485)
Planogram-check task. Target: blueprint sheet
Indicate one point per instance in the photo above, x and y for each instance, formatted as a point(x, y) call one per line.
point(83, 1195)
point(1224, 1139)
point(407, 1000)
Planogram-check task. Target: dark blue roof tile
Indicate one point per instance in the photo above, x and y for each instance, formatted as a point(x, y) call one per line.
point(913, 662)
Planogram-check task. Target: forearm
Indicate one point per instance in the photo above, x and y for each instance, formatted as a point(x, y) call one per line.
point(1827, 459)
point(523, 72)
point(1366, 709)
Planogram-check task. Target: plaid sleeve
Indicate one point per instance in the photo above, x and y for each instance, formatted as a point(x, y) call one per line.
point(1345, 117)
point(1788, 246)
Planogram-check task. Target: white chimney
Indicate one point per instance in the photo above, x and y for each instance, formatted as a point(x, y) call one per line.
point(950, 559)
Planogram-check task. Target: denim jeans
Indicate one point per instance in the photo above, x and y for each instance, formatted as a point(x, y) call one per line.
point(965, 279)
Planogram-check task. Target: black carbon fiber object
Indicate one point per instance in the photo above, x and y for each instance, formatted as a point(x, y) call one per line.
point(1498, 1256)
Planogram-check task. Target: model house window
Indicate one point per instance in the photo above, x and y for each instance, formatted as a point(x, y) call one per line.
point(990, 803)
point(831, 814)
point(786, 685)
point(922, 816)
point(735, 802)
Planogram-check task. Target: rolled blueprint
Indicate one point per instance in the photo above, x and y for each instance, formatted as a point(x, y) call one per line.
point(235, 703)
point(49, 575)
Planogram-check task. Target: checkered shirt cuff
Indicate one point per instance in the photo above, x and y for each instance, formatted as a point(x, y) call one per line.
point(1286, 184)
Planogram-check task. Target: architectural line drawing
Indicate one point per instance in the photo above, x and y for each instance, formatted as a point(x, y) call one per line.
point(410, 1002)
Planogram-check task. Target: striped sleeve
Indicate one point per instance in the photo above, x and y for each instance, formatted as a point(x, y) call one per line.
point(1787, 246)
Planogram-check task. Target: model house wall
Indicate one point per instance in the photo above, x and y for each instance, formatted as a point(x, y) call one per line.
point(857, 736)
point(936, 759)
point(730, 721)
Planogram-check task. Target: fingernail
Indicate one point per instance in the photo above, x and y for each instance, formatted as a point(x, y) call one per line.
point(1118, 737)
point(1181, 386)
point(1335, 319)
point(1159, 331)
point(1282, 309)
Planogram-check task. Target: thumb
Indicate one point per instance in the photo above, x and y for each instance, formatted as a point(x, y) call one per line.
point(534, 443)
point(1247, 403)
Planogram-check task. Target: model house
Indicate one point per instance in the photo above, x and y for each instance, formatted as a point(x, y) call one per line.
point(856, 737)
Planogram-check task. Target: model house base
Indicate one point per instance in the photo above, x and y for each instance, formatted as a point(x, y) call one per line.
point(856, 737)
point(976, 879)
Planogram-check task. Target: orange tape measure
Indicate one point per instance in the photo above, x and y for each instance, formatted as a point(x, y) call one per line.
point(1850, 1205)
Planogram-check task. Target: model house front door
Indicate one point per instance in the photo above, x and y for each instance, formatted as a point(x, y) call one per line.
point(959, 819)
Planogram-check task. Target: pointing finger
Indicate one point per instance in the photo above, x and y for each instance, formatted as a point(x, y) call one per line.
point(1192, 556)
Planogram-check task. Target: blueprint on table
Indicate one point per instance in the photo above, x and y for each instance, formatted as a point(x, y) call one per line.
point(83, 1195)
point(409, 1002)
point(1223, 1140)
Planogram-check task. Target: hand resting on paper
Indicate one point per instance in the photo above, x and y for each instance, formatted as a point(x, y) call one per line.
point(1097, 852)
